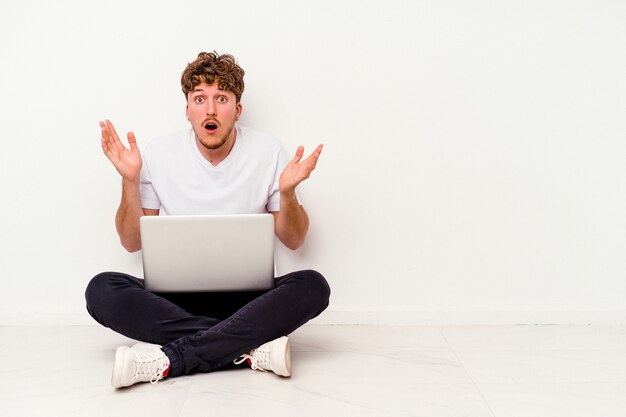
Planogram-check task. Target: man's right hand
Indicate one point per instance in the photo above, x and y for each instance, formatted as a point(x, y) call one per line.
point(127, 162)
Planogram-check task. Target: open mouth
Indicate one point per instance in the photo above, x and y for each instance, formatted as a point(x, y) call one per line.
point(210, 126)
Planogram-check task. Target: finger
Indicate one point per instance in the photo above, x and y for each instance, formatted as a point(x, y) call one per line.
point(132, 141)
point(109, 151)
point(315, 156)
point(318, 151)
point(104, 131)
point(111, 128)
point(115, 144)
point(299, 153)
point(107, 135)
point(104, 140)
point(110, 146)
point(105, 145)
point(114, 139)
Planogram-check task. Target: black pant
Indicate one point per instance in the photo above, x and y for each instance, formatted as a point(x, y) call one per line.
point(201, 332)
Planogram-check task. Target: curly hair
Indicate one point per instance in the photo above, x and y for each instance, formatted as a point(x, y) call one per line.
point(211, 67)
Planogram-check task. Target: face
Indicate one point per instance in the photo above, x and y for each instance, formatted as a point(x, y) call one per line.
point(212, 113)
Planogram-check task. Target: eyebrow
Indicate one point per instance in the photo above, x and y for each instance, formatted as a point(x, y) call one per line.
point(204, 91)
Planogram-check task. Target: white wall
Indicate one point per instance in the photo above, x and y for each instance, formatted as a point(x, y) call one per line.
point(474, 167)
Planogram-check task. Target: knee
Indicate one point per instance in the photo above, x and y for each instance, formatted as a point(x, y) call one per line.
point(316, 287)
point(98, 291)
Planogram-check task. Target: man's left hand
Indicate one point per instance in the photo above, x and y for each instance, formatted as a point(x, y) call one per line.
point(297, 171)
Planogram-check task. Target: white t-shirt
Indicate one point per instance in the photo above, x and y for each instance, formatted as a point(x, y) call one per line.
point(178, 180)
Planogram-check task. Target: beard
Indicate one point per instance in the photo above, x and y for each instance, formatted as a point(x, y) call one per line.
point(216, 145)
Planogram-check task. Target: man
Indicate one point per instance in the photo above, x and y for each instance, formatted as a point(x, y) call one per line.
point(216, 167)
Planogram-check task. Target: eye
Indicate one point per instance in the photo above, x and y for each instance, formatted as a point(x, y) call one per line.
point(222, 99)
point(199, 99)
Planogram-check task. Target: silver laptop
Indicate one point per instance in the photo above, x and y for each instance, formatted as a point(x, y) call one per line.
point(208, 253)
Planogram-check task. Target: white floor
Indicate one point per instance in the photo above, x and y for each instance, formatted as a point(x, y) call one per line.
point(486, 371)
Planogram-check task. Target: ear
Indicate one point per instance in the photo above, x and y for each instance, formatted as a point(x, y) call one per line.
point(239, 110)
point(187, 111)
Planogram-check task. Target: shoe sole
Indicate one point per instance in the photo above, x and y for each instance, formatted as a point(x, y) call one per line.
point(118, 366)
point(283, 348)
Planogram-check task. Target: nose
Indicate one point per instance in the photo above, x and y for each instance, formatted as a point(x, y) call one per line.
point(210, 108)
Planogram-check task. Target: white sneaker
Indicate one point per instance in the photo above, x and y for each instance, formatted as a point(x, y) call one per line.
point(273, 356)
point(144, 362)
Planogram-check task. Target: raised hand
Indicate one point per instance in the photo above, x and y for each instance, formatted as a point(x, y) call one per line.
point(297, 171)
point(126, 161)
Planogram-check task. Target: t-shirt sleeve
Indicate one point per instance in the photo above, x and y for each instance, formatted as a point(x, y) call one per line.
point(273, 202)
point(149, 197)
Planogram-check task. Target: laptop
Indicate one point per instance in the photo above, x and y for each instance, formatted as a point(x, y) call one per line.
point(208, 252)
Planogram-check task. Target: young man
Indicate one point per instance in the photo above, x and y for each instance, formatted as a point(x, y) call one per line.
point(215, 167)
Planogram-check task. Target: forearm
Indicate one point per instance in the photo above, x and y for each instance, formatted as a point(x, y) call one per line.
point(292, 223)
point(127, 217)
